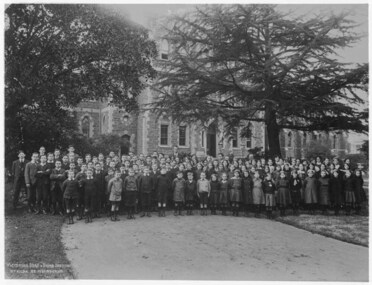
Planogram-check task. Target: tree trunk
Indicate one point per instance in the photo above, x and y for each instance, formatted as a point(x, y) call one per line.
point(272, 133)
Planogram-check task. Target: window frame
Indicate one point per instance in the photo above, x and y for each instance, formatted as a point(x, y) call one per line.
point(179, 136)
point(236, 130)
point(161, 133)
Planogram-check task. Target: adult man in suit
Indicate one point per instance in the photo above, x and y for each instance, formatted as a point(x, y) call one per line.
point(31, 179)
point(18, 173)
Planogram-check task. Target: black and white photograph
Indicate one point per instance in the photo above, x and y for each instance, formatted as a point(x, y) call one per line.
point(211, 141)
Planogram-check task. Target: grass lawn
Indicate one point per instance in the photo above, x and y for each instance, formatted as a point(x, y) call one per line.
point(352, 229)
point(33, 247)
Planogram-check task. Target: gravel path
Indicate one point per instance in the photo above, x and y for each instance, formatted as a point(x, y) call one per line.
point(208, 248)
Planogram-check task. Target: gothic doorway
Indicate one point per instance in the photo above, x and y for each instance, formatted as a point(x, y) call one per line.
point(125, 145)
point(211, 140)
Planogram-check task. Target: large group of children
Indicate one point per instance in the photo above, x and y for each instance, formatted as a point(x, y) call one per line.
point(92, 186)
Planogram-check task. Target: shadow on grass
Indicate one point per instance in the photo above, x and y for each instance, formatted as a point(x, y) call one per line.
point(33, 247)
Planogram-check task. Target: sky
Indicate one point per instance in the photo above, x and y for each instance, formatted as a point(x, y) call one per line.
point(142, 13)
point(358, 53)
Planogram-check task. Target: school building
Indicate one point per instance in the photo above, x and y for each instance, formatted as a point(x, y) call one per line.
point(144, 132)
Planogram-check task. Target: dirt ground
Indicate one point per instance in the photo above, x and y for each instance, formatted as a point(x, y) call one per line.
point(208, 248)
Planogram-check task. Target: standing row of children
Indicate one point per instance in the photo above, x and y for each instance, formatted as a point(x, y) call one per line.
point(96, 185)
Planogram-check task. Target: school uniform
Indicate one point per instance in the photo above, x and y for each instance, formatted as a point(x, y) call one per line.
point(257, 192)
point(107, 191)
point(203, 188)
point(209, 172)
point(284, 196)
point(101, 188)
point(30, 179)
point(295, 186)
point(311, 190)
point(360, 194)
point(336, 193)
point(154, 175)
point(171, 174)
point(130, 191)
point(323, 191)
point(223, 193)
point(178, 187)
point(197, 174)
point(42, 186)
point(18, 173)
point(247, 190)
point(57, 177)
point(214, 195)
point(146, 189)
point(65, 166)
point(162, 186)
point(268, 187)
point(70, 193)
point(80, 177)
point(349, 189)
point(115, 187)
point(90, 194)
point(235, 187)
point(190, 192)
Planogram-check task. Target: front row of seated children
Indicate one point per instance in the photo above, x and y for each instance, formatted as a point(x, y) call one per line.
point(251, 193)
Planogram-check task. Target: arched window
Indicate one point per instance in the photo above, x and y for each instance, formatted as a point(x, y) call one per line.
point(289, 144)
point(85, 126)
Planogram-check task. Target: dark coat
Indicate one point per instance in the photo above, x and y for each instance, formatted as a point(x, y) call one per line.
point(295, 189)
point(30, 173)
point(163, 187)
point(146, 184)
point(70, 189)
point(214, 195)
point(56, 178)
point(90, 187)
point(360, 194)
point(323, 192)
point(43, 174)
point(336, 190)
point(247, 190)
point(190, 191)
point(18, 170)
point(101, 182)
point(178, 187)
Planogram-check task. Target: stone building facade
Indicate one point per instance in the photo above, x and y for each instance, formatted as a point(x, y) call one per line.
point(145, 132)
